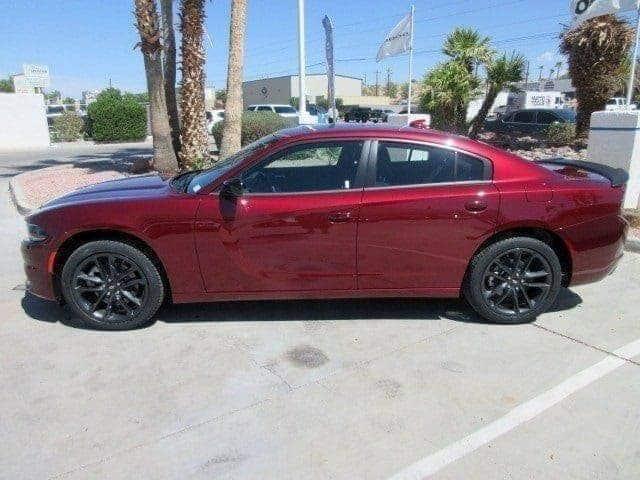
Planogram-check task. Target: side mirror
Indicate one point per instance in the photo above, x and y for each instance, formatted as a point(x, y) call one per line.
point(232, 188)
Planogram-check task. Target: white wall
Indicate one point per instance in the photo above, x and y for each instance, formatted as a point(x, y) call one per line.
point(316, 86)
point(23, 122)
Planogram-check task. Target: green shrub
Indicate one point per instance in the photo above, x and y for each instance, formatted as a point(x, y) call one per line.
point(68, 127)
point(255, 125)
point(116, 118)
point(561, 133)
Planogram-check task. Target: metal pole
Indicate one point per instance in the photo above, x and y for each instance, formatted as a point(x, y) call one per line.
point(410, 67)
point(633, 63)
point(302, 94)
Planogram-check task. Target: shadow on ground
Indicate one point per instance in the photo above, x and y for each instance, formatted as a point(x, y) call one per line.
point(119, 160)
point(297, 310)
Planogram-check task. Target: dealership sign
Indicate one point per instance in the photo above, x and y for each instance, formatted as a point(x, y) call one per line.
point(36, 75)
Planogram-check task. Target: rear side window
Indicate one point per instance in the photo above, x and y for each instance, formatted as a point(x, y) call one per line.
point(408, 164)
point(526, 116)
point(264, 109)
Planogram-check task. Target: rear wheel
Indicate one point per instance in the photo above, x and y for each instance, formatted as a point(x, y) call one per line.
point(112, 285)
point(513, 280)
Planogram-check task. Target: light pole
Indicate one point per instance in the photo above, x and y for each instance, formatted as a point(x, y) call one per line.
point(302, 97)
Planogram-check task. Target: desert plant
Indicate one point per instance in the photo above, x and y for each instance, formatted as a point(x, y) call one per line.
point(596, 51)
point(194, 139)
point(254, 125)
point(561, 133)
point(501, 73)
point(114, 117)
point(446, 92)
point(68, 127)
point(169, 70)
point(147, 24)
point(231, 140)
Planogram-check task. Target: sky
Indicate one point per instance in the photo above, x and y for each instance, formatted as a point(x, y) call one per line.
point(87, 44)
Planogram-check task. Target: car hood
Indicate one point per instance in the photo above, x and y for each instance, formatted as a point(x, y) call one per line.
point(133, 187)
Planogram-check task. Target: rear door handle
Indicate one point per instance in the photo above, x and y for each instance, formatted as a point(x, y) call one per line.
point(339, 217)
point(476, 206)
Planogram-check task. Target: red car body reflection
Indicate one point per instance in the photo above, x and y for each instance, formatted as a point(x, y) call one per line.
point(368, 241)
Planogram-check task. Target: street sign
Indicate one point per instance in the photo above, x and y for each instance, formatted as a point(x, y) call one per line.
point(36, 75)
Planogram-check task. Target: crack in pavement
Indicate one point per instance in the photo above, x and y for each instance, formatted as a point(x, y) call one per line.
point(292, 388)
point(585, 344)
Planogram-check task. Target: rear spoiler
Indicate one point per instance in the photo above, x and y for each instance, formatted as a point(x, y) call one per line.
point(617, 176)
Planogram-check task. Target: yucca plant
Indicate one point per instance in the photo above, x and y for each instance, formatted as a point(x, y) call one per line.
point(468, 46)
point(446, 92)
point(194, 138)
point(164, 156)
point(596, 50)
point(231, 136)
point(502, 73)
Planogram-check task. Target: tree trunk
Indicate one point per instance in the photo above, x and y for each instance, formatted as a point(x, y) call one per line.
point(195, 139)
point(169, 68)
point(231, 133)
point(164, 157)
point(487, 103)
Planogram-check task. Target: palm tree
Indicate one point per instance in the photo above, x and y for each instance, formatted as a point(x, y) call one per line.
point(558, 67)
point(501, 73)
point(596, 50)
point(467, 46)
point(194, 133)
point(169, 70)
point(446, 92)
point(164, 156)
point(233, 109)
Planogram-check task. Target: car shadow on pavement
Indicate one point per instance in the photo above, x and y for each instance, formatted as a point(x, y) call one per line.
point(298, 310)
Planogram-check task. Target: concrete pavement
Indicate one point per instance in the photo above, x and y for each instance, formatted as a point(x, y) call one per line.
point(316, 390)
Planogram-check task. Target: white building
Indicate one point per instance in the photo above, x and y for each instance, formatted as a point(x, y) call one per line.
point(280, 90)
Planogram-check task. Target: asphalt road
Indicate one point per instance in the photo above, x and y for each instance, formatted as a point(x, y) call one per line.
point(321, 390)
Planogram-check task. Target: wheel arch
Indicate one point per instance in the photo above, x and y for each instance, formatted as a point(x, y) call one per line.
point(543, 234)
point(80, 238)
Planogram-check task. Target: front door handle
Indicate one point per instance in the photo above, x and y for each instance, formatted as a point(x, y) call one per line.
point(339, 217)
point(476, 206)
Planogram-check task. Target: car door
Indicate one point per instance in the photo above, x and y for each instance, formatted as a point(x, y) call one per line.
point(425, 209)
point(523, 121)
point(294, 226)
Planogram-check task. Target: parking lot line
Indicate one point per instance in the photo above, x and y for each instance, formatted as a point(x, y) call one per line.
point(519, 415)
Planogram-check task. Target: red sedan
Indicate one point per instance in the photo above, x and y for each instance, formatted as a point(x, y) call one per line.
point(333, 212)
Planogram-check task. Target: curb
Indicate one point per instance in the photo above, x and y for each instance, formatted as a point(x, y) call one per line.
point(632, 244)
point(15, 190)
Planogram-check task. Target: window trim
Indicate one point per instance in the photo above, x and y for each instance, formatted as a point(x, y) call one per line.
point(372, 165)
point(358, 182)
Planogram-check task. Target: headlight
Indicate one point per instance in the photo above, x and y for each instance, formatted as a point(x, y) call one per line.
point(35, 233)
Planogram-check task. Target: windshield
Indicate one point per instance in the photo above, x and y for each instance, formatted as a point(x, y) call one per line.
point(205, 177)
point(568, 115)
point(285, 110)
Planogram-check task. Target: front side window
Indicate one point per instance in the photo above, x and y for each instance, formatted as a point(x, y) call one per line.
point(406, 164)
point(264, 109)
point(306, 168)
point(285, 109)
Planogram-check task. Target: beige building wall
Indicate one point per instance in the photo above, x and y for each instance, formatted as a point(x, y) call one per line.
point(317, 86)
point(23, 122)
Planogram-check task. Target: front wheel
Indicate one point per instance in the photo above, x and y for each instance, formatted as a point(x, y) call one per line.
point(112, 285)
point(513, 280)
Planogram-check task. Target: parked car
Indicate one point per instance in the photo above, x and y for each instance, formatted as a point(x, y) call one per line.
point(213, 117)
point(530, 120)
point(286, 111)
point(619, 103)
point(333, 212)
point(357, 114)
point(380, 114)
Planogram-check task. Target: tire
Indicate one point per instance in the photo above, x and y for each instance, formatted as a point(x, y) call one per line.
point(102, 273)
point(513, 281)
